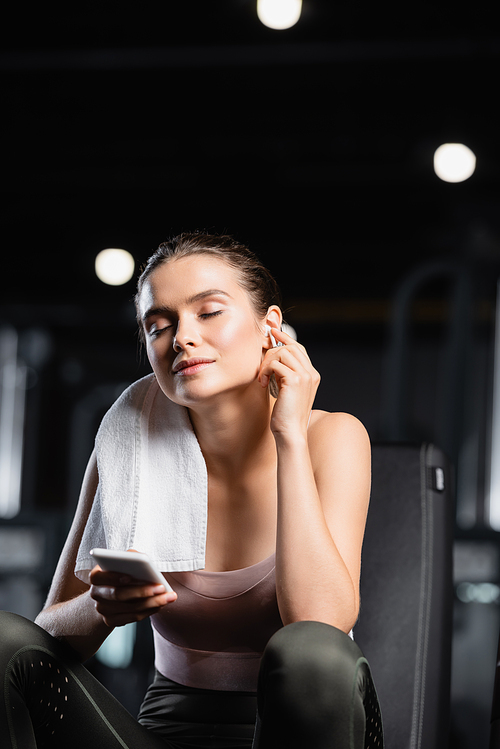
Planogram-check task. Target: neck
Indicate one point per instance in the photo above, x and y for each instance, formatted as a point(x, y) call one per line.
point(234, 431)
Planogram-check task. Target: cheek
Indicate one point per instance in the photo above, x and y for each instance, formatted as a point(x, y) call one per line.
point(238, 337)
point(227, 337)
point(243, 355)
point(159, 359)
point(151, 354)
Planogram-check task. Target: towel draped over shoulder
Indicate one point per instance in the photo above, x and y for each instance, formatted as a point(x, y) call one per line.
point(152, 492)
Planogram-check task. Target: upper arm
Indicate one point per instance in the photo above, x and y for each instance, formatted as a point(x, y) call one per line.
point(65, 585)
point(341, 458)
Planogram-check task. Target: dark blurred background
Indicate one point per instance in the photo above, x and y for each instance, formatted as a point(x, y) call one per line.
point(124, 124)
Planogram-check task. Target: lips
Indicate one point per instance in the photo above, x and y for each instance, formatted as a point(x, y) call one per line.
point(191, 366)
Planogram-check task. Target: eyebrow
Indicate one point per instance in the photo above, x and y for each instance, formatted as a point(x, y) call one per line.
point(192, 300)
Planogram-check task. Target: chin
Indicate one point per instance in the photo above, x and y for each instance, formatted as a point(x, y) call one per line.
point(187, 393)
point(194, 390)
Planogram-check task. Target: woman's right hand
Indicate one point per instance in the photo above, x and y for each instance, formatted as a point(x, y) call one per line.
point(120, 599)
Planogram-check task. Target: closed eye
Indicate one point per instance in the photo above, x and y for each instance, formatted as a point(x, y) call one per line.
point(157, 331)
point(211, 314)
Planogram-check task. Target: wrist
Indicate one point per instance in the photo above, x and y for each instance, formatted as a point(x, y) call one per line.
point(291, 440)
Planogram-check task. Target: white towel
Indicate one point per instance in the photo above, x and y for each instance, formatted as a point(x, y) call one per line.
point(152, 493)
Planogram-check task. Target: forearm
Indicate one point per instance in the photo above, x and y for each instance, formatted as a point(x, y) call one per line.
point(313, 582)
point(77, 622)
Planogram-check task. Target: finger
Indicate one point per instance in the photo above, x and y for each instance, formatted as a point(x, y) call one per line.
point(303, 381)
point(293, 358)
point(106, 577)
point(289, 343)
point(117, 613)
point(108, 606)
point(291, 353)
point(284, 374)
point(126, 593)
point(285, 338)
point(280, 335)
point(113, 619)
point(266, 367)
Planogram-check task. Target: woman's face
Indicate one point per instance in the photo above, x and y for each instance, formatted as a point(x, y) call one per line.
point(202, 335)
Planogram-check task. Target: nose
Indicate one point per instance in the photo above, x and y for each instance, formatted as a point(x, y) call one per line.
point(185, 337)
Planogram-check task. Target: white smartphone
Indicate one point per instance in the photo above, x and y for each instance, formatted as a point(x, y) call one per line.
point(130, 563)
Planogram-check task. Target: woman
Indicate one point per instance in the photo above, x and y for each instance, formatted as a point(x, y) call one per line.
point(267, 496)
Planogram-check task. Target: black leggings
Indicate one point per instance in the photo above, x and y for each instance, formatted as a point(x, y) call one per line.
point(315, 690)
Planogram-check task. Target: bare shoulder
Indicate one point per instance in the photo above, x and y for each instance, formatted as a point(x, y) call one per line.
point(336, 426)
point(338, 442)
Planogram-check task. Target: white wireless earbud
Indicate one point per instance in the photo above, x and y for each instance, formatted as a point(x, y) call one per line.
point(273, 339)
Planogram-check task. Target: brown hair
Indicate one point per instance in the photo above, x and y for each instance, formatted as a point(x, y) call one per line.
point(253, 275)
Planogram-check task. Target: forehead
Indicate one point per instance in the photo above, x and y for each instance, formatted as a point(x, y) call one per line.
point(178, 280)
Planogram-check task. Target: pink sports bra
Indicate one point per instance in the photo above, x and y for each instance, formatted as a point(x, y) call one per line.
point(213, 636)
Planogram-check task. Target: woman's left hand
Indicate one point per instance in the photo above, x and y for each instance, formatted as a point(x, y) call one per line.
point(297, 382)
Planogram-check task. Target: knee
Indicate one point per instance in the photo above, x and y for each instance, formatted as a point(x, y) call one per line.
point(14, 629)
point(313, 674)
point(18, 632)
point(314, 653)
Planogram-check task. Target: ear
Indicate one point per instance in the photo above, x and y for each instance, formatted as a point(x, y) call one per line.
point(273, 319)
